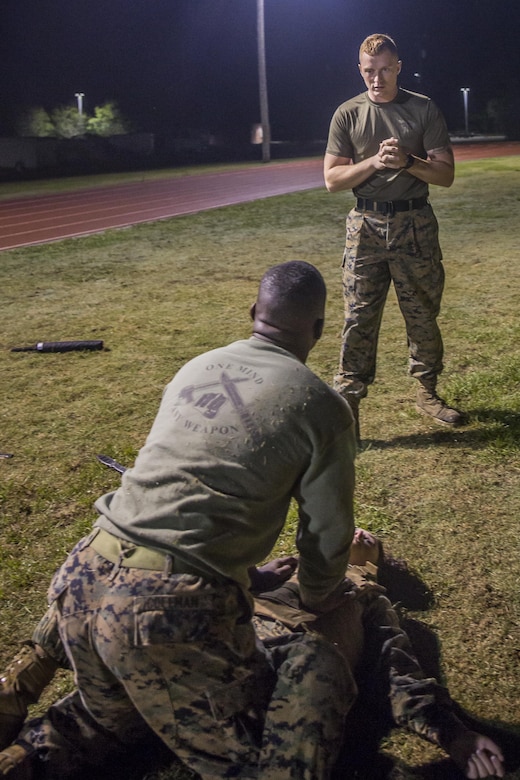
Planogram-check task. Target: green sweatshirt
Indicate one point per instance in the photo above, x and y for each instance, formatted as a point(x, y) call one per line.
point(241, 431)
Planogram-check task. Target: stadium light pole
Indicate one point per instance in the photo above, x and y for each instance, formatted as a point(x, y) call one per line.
point(465, 93)
point(79, 96)
point(262, 83)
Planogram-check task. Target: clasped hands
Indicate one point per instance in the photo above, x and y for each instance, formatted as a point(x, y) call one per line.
point(390, 155)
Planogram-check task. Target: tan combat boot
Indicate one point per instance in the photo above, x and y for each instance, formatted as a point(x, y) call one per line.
point(428, 402)
point(15, 763)
point(20, 685)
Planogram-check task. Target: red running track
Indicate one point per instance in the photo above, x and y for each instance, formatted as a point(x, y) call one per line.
point(39, 219)
point(35, 220)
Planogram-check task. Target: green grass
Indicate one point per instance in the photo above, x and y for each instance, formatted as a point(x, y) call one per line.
point(446, 500)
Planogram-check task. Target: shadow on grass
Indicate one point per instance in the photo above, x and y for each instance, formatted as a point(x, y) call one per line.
point(370, 720)
point(445, 769)
point(499, 427)
point(404, 587)
point(381, 766)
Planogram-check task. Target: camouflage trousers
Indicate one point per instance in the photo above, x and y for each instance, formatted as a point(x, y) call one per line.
point(403, 249)
point(177, 655)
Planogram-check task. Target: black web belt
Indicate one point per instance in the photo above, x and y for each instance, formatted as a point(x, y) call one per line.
point(390, 207)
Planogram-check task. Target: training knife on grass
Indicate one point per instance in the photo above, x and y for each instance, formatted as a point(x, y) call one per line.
point(111, 463)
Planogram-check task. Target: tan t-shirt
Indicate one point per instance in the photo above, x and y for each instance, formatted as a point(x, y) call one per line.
point(359, 125)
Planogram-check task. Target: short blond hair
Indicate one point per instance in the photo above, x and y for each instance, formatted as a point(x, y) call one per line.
point(376, 43)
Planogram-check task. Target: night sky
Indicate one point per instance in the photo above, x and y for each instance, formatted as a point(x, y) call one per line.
point(179, 64)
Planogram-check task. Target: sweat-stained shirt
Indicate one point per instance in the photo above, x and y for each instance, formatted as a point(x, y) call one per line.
point(240, 431)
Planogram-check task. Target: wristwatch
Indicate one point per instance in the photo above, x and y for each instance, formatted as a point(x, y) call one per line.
point(410, 159)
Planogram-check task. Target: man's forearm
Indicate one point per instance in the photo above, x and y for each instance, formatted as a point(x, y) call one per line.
point(341, 176)
point(433, 171)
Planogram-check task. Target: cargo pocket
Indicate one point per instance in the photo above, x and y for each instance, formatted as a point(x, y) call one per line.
point(238, 696)
point(70, 569)
point(173, 619)
point(238, 710)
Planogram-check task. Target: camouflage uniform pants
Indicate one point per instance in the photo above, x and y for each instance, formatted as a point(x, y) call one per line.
point(403, 249)
point(179, 654)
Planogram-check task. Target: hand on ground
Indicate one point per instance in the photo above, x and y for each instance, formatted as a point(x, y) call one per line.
point(477, 756)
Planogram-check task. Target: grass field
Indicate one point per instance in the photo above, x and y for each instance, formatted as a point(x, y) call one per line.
point(445, 500)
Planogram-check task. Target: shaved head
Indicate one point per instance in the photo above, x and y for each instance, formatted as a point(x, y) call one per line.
point(292, 288)
point(290, 307)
